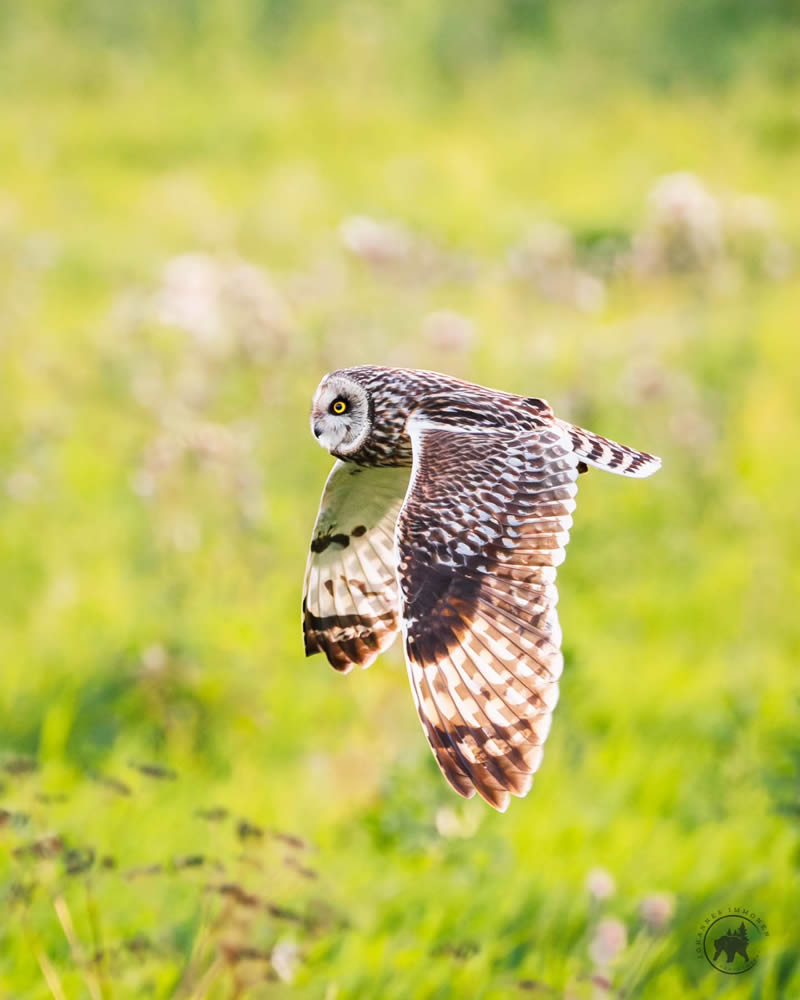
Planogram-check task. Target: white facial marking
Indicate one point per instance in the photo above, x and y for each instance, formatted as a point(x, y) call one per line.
point(340, 414)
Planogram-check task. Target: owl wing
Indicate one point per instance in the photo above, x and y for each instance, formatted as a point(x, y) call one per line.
point(484, 525)
point(350, 600)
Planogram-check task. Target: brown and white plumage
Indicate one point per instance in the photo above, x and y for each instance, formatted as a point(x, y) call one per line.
point(446, 517)
point(351, 602)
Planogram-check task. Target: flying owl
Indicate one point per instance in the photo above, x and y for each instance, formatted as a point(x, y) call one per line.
point(445, 518)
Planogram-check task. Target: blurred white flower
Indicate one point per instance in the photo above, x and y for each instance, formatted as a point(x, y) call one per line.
point(393, 250)
point(448, 331)
point(222, 454)
point(610, 938)
point(657, 910)
point(189, 298)
point(546, 258)
point(222, 305)
point(600, 884)
point(751, 224)
point(548, 247)
point(286, 959)
point(374, 241)
point(154, 658)
point(683, 230)
point(259, 313)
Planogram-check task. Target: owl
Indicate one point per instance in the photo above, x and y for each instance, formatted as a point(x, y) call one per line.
point(444, 519)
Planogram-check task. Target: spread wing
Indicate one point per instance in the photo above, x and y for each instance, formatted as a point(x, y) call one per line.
point(484, 525)
point(350, 600)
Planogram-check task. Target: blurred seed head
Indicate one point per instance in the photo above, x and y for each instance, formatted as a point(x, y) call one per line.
point(547, 248)
point(154, 771)
point(535, 986)
point(189, 300)
point(291, 840)
point(657, 910)
point(142, 870)
point(17, 819)
point(78, 860)
point(214, 814)
point(18, 766)
point(547, 259)
point(683, 230)
point(223, 305)
point(114, 784)
point(286, 959)
point(245, 830)
point(187, 444)
point(302, 870)
point(154, 659)
point(21, 893)
point(609, 940)
point(600, 884)
point(378, 243)
point(46, 846)
point(751, 227)
point(392, 250)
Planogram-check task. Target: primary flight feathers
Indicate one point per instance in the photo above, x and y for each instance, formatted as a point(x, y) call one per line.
point(445, 517)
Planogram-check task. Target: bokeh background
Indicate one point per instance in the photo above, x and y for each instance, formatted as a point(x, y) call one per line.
point(204, 206)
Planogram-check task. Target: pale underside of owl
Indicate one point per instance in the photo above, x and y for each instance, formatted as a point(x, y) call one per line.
point(445, 518)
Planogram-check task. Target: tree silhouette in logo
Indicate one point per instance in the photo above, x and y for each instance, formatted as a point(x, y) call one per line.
point(733, 943)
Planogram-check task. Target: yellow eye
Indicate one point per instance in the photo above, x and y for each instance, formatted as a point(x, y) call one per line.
point(339, 406)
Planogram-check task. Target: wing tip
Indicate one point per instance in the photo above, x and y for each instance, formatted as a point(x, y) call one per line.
point(497, 797)
point(653, 466)
point(650, 464)
point(502, 805)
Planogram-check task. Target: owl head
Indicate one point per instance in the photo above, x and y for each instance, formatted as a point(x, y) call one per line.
point(340, 414)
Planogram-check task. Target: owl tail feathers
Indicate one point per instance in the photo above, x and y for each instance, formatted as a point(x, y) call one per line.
point(604, 454)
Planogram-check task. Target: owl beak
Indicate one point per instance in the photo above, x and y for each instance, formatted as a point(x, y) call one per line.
point(317, 429)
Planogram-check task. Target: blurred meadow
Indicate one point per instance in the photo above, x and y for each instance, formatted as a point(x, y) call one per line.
point(206, 205)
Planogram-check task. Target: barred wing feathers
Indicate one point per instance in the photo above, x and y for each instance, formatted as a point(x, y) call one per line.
point(484, 525)
point(611, 456)
point(351, 603)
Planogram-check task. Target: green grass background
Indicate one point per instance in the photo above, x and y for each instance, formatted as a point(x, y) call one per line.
point(150, 587)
